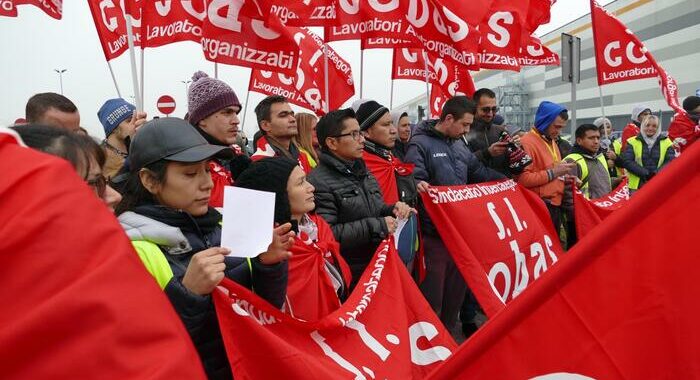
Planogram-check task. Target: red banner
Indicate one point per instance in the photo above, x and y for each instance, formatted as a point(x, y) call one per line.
point(172, 21)
point(502, 34)
point(385, 329)
point(621, 56)
point(536, 54)
point(61, 319)
point(437, 101)
point(452, 79)
point(622, 304)
point(231, 38)
point(7, 8)
point(53, 8)
point(297, 13)
point(111, 27)
point(509, 243)
point(589, 213)
point(307, 88)
point(437, 28)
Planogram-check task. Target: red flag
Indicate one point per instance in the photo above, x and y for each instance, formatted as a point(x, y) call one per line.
point(536, 54)
point(296, 13)
point(622, 304)
point(310, 293)
point(387, 43)
point(172, 21)
point(620, 56)
point(539, 13)
point(437, 28)
point(111, 27)
point(451, 78)
point(307, 88)
point(231, 38)
point(510, 241)
point(53, 8)
point(502, 34)
point(437, 101)
point(7, 8)
point(589, 213)
point(385, 329)
point(77, 301)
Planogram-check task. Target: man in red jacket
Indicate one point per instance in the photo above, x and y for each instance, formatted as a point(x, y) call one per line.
point(685, 128)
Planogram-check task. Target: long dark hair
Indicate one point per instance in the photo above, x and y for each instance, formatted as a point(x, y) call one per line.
point(135, 194)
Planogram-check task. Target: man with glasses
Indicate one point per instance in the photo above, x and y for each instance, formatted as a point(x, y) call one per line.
point(484, 138)
point(639, 112)
point(347, 196)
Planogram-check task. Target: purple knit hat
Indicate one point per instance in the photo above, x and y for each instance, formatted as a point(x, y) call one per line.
point(208, 95)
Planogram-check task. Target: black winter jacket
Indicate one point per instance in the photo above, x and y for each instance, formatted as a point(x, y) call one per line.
point(442, 161)
point(349, 199)
point(480, 137)
point(197, 312)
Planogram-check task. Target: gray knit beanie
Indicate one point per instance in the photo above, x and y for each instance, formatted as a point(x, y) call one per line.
point(208, 95)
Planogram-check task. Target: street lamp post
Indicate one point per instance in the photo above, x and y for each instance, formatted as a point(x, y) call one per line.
point(186, 86)
point(60, 77)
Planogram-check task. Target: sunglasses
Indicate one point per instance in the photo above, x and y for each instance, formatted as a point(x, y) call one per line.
point(99, 184)
point(489, 109)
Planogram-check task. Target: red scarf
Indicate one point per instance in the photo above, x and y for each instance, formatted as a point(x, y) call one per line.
point(310, 291)
point(385, 171)
point(263, 149)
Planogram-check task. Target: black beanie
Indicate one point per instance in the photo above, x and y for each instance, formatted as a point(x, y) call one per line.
point(271, 174)
point(691, 103)
point(368, 114)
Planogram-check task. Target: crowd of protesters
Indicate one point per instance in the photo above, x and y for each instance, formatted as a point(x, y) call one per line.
point(343, 183)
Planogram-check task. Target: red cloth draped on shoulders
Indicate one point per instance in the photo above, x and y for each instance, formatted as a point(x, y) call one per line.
point(385, 172)
point(310, 291)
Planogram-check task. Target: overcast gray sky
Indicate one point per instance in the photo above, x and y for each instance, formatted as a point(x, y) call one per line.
point(34, 44)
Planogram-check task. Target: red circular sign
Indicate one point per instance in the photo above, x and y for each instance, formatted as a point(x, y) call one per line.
point(166, 104)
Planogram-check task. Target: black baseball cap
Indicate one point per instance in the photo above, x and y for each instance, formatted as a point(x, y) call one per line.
point(171, 139)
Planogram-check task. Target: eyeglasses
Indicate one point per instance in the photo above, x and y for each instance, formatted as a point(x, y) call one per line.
point(99, 184)
point(489, 109)
point(355, 135)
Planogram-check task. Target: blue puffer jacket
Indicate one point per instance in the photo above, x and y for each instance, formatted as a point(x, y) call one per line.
point(180, 236)
point(442, 161)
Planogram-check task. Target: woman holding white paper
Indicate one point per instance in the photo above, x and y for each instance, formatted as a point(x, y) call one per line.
point(165, 212)
point(318, 274)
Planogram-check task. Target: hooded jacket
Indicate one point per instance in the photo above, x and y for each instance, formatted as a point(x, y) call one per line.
point(442, 161)
point(650, 162)
point(156, 238)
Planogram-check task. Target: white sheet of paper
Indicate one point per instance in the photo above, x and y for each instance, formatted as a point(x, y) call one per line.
point(399, 228)
point(249, 216)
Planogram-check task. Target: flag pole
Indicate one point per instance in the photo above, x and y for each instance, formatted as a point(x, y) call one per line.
point(132, 55)
point(362, 65)
point(427, 88)
point(325, 80)
point(245, 109)
point(216, 70)
point(114, 79)
point(143, 98)
point(391, 96)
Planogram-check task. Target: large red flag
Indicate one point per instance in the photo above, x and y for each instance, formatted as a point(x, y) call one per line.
point(172, 21)
point(502, 34)
point(231, 38)
point(385, 329)
point(621, 56)
point(411, 64)
point(589, 213)
point(53, 8)
point(307, 88)
point(77, 301)
point(110, 24)
point(622, 304)
point(499, 234)
point(535, 54)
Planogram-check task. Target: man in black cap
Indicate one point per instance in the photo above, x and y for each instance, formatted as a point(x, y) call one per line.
point(348, 197)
